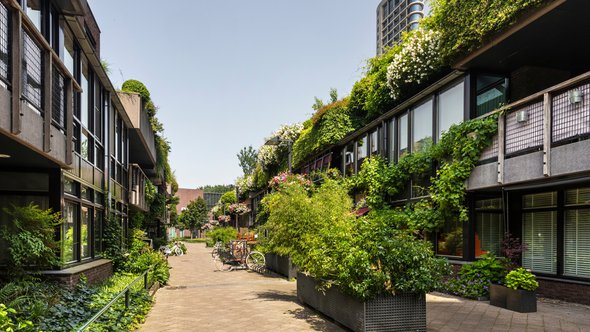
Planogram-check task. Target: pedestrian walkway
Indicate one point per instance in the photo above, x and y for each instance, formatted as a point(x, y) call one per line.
point(200, 299)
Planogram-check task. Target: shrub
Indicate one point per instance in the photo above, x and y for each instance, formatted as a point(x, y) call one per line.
point(521, 279)
point(137, 87)
point(10, 322)
point(76, 306)
point(141, 257)
point(415, 62)
point(29, 296)
point(30, 238)
point(473, 280)
point(222, 234)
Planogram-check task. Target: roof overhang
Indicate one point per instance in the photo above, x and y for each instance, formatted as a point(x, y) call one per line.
point(551, 36)
point(71, 7)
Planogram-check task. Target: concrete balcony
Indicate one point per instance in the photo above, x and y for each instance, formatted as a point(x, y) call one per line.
point(137, 189)
point(542, 137)
point(142, 148)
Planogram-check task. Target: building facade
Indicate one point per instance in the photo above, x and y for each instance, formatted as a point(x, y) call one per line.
point(533, 181)
point(394, 17)
point(66, 136)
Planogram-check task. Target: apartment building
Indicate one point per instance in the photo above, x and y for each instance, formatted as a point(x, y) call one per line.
point(534, 179)
point(395, 17)
point(68, 141)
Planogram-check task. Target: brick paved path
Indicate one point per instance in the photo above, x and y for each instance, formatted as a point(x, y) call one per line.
point(200, 299)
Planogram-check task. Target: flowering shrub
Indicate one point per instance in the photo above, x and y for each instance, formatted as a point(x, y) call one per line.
point(415, 62)
point(272, 155)
point(245, 184)
point(285, 178)
point(474, 279)
point(224, 218)
point(239, 208)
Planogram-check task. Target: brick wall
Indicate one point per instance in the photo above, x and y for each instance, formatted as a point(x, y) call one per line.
point(95, 275)
point(565, 291)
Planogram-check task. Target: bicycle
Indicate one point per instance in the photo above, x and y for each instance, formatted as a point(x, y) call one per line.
point(176, 250)
point(237, 256)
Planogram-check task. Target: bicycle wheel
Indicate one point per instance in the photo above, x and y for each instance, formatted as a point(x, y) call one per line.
point(255, 261)
point(178, 251)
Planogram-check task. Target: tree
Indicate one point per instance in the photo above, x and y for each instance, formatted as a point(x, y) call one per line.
point(195, 214)
point(333, 95)
point(318, 103)
point(247, 157)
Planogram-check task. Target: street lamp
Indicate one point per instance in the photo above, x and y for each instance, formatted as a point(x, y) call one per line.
point(276, 141)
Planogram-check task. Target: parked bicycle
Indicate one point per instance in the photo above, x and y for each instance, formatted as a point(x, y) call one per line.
point(176, 250)
point(236, 256)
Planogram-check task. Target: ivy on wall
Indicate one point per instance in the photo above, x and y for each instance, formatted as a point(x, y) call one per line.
point(456, 154)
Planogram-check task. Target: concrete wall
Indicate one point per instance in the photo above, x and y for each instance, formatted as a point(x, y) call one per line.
point(132, 104)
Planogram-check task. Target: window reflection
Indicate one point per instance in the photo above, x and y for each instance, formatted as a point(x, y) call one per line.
point(450, 108)
point(403, 135)
point(450, 239)
point(422, 127)
point(361, 148)
point(69, 244)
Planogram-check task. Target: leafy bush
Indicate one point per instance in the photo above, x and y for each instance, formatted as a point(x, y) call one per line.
point(9, 322)
point(417, 61)
point(521, 279)
point(467, 24)
point(473, 280)
point(222, 234)
point(137, 87)
point(364, 258)
point(76, 306)
point(328, 126)
point(141, 257)
point(113, 240)
point(29, 296)
point(30, 238)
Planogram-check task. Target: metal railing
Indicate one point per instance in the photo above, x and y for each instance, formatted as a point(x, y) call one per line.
point(125, 292)
point(552, 117)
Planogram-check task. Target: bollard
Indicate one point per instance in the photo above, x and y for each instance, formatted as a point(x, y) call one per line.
point(145, 281)
point(127, 299)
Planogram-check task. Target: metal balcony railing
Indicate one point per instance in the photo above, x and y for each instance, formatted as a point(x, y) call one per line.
point(556, 116)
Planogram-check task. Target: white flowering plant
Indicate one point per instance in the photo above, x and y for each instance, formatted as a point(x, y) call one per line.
point(416, 61)
point(272, 155)
point(245, 184)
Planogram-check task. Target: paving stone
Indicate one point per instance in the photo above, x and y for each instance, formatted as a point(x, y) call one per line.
point(198, 298)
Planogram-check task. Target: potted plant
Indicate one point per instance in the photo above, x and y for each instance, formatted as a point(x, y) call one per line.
point(520, 296)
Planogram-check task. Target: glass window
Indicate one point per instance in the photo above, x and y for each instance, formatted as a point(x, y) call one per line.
point(451, 108)
point(84, 145)
point(450, 240)
point(349, 159)
point(392, 139)
point(491, 93)
point(374, 141)
point(489, 226)
point(85, 84)
point(85, 232)
point(361, 148)
point(70, 186)
point(33, 11)
point(69, 244)
point(539, 232)
point(577, 243)
point(422, 127)
point(402, 130)
point(67, 54)
point(98, 226)
point(4, 42)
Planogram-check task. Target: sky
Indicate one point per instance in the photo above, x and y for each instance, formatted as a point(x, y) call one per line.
point(226, 74)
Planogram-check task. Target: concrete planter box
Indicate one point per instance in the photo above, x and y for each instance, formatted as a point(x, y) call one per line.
point(403, 312)
point(515, 300)
point(281, 265)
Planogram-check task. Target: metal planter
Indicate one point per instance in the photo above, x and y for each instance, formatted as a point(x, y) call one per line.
point(403, 312)
point(281, 265)
point(515, 300)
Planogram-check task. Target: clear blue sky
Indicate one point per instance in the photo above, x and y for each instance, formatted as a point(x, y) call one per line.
point(225, 74)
